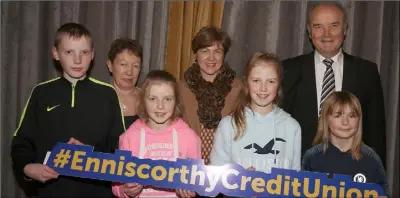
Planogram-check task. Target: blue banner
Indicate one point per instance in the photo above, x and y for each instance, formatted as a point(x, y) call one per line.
point(193, 175)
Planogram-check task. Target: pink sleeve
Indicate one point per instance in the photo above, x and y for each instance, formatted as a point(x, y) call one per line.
point(117, 187)
point(194, 147)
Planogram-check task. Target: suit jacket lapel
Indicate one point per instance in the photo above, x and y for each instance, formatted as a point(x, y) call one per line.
point(308, 73)
point(349, 73)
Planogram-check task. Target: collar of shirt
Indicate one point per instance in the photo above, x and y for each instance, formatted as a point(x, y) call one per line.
point(333, 149)
point(336, 59)
point(320, 68)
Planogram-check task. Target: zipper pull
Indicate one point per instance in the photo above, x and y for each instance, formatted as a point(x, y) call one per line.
point(73, 96)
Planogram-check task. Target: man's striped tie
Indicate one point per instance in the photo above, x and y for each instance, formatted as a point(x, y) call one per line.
point(328, 84)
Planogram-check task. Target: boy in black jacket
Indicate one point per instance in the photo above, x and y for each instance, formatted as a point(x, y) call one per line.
point(73, 108)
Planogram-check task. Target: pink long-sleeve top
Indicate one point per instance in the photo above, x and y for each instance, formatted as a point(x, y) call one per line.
point(176, 141)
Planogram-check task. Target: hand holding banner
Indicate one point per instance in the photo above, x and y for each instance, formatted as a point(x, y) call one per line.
point(193, 175)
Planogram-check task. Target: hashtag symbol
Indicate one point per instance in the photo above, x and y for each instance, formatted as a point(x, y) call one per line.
point(62, 158)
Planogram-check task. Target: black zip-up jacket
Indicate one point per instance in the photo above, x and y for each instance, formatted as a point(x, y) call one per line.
point(57, 110)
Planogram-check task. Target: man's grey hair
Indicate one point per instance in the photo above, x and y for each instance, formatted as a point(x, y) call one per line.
point(334, 3)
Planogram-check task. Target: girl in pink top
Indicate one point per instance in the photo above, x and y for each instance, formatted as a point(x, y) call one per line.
point(160, 133)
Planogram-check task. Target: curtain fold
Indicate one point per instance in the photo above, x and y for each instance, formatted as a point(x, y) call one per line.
point(27, 33)
point(185, 20)
point(280, 27)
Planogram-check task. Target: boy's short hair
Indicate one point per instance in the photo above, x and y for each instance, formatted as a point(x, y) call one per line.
point(74, 30)
point(121, 44)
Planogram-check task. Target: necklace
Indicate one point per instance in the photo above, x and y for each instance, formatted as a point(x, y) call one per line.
point(123, 107)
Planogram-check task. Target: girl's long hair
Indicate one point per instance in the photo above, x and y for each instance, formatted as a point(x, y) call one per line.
point(157, 77)
point(244, 100)
point(339, 101)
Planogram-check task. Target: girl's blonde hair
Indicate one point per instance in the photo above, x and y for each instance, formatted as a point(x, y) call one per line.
point(158, 77)
point(244, 96)
point(339, 101)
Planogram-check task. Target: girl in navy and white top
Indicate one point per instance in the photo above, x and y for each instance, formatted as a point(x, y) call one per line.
point(338, 146)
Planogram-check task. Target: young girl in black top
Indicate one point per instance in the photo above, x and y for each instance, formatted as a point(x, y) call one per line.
point(338, 146)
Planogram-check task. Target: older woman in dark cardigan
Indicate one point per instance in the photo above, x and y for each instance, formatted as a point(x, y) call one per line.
point(124, 63)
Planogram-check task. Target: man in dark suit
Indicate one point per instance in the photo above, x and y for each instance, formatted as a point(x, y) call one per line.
point(310, 78)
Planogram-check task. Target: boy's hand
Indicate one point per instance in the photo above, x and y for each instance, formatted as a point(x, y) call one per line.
point(40, 172)
point(74, 141)
point(185, 193)
point(132, 189)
